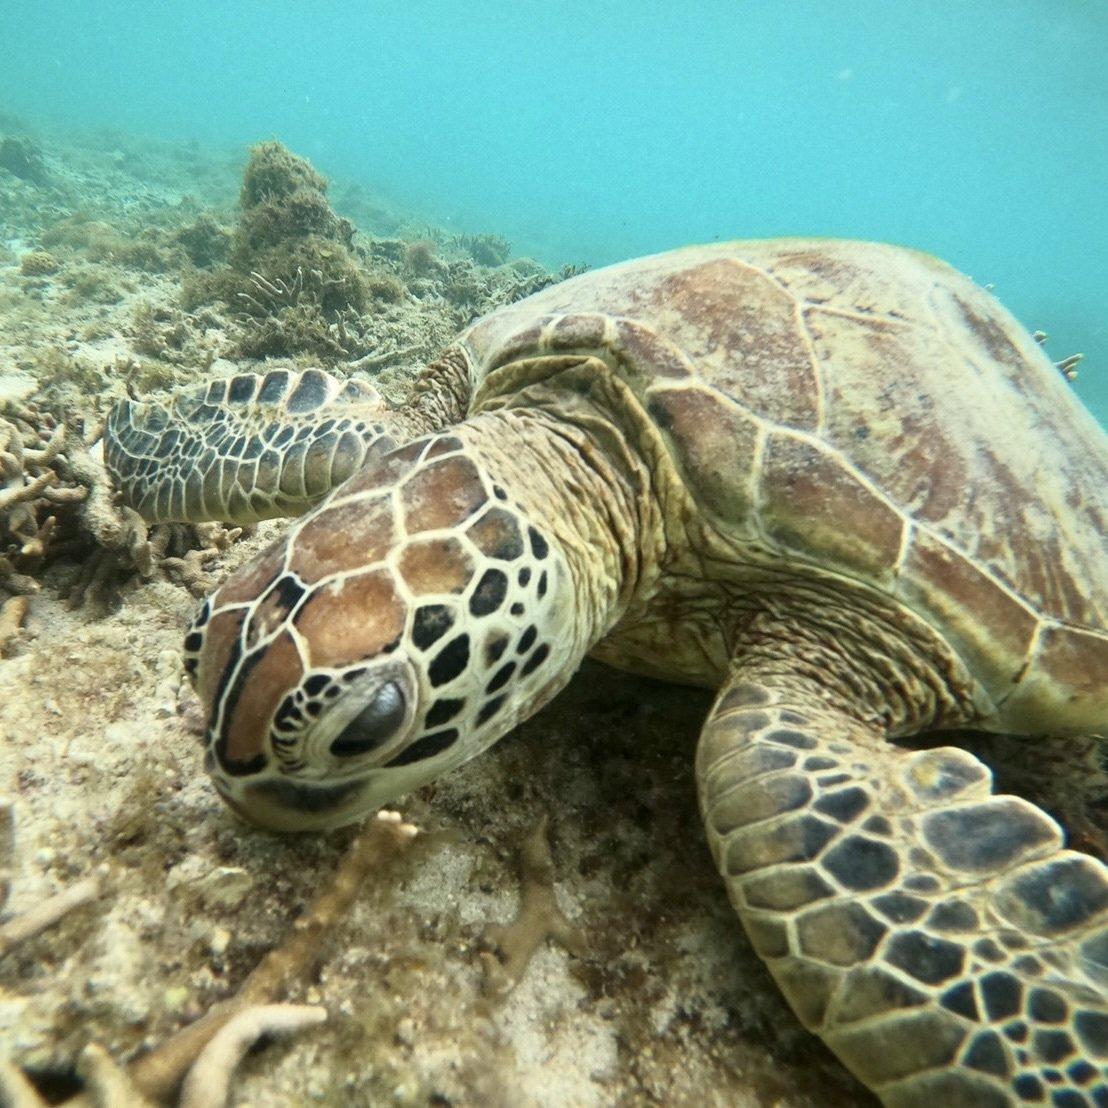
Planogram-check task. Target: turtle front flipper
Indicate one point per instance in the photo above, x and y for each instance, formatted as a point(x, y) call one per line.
point(938, 937)
point(244, 448)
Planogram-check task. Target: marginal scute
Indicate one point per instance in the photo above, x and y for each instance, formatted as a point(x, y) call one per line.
point(871, 992)
point(769, 936)
point(795, 839)
point(785, 890)
point(1070, 663)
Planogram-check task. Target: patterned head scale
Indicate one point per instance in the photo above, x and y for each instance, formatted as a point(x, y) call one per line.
point(394, 633)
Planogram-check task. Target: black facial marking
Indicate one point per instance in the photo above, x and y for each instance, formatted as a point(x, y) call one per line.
point(194, 640)
point(535, 660)
point(489, 594)
point(426, 747)
point(501, 677)
point(516, 609)
point(494, 648)
point(442, 711)
point(304, 798)
point(315, 684)
point(490, 709)
point(527, 640)
point(288, 715)
point(285, 593)
point(539, 546)
point(450, 661)
point(431, 622)
point(541, 590)
point(524, 576)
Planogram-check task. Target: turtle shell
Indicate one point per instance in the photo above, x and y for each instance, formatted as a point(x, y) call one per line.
point(869, 410)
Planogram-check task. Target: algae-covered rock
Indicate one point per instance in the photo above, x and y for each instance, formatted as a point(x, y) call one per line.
point(23, 159)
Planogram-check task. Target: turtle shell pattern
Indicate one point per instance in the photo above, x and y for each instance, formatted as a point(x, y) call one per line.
point(870, 410)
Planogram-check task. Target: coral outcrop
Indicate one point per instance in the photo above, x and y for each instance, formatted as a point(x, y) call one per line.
point(56, 501)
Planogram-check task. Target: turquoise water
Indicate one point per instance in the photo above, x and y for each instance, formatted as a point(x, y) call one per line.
point(589, 132)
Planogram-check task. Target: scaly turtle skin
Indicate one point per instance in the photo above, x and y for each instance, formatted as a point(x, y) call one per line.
point(834, 480)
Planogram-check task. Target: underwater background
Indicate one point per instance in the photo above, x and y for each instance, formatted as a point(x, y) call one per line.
point(590, 132)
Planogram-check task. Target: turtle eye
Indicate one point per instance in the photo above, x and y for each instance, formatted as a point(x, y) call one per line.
point(374, 725)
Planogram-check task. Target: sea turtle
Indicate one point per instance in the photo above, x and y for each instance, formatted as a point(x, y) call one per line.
point(835, 481)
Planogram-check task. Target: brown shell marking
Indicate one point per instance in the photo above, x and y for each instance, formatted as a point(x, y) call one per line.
point(915, 436)
point(278, 668)
point(344, 537)
point(351, 619)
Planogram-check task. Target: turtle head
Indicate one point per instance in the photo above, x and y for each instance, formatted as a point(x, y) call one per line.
point(399, 629)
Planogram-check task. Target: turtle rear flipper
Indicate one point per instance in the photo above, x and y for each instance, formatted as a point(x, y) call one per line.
point(937, 936)
point(244, 448)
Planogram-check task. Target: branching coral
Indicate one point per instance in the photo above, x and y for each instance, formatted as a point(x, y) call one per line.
point(511, 947)
point(47, 912)
point(56, 501)
point(37, 485)
point(204, 1054)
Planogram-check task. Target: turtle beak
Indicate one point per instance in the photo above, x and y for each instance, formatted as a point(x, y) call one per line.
point(280, 805)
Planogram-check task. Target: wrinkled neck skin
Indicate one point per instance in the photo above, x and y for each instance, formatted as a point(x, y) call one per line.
point(593, 506)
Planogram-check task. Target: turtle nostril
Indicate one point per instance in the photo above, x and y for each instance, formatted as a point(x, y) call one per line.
point(374, 725)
